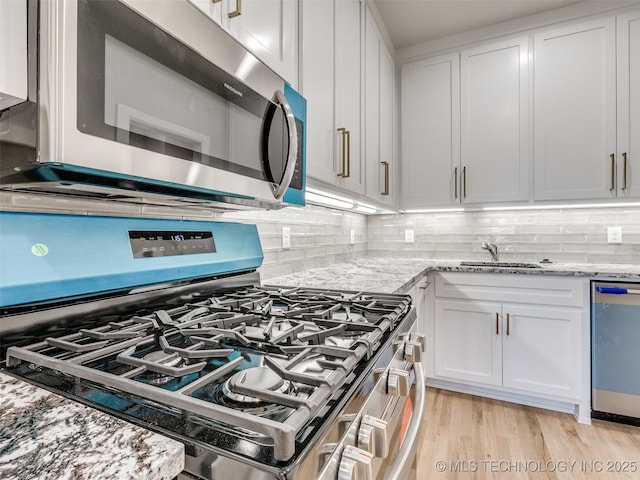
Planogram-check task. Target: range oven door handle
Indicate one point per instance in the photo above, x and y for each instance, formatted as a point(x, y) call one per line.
point(410, 442)
point(280, 189)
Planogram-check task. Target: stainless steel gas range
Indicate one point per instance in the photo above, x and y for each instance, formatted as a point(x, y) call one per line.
point(164, 323)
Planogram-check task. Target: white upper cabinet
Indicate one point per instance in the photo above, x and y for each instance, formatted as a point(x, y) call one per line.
point(13, 53)
point(388, 166)
point(575, 111)
point(379, 113)
point(628, 148)
point(348, 94)
point(330, 81)
point(317, 85)
point(268, 28)
point(430, 132)
point(465, 127)
point(494, 99)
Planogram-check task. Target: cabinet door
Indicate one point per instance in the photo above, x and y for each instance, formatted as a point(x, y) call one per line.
point(541, 350)
point(575, 111)
point(13, 53)
point(347, 94)
point(430, 135)
point(386, 173)
point(495, 122)
point(316, 82)
point(372, 107)
point(468, 341)
point(269, 28)
point(378, 115)
point(629, 104)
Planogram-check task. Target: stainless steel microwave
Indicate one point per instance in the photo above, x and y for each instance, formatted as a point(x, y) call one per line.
point(150, 101)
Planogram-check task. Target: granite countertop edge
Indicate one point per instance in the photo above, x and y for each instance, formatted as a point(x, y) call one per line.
point(45, 436)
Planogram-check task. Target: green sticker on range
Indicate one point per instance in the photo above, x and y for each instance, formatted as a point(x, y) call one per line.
point(39, 249)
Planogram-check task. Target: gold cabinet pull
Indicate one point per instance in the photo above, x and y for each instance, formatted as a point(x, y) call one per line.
point(508, 323)
point(624, 171)
point(455, 183)
point(497, 323)
point(216, 1)
point(613, 172)
point(238, 11)
point(343, 131)
point(386, 178)
point(464, 182)
point(348, 174)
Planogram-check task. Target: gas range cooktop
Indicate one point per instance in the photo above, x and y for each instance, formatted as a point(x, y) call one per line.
point(163, 323)
point(259, 365)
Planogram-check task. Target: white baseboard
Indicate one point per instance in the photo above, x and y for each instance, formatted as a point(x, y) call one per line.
point(547, 404)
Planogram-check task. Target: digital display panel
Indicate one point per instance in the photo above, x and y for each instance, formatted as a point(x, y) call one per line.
point(146, 244)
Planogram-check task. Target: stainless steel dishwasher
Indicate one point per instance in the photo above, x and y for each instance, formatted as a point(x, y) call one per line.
point(615, 351)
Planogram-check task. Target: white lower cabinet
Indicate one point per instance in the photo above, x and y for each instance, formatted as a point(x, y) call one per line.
point(466, 345)
point(483, 334)
point(541, 349)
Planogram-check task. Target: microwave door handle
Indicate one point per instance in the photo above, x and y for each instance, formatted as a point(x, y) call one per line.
point(409, 444)
point(279, 190)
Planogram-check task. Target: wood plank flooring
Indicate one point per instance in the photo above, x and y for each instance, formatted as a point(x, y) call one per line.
point(469, 437)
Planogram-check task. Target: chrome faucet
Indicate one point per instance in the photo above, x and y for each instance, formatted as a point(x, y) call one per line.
point(493, 250)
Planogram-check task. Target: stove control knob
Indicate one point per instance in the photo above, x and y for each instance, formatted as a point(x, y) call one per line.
point(355, 464)
point(373, 436)
point(413, 351)
point(398, 382)
point(420, 338)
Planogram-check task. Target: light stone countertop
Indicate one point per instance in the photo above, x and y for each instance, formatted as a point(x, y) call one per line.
point(398, 275)
point(47, 437)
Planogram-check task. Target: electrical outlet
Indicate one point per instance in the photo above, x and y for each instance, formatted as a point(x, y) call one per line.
point(286, 237)
point(352, 237)
point(614, 234)
point(408, 236)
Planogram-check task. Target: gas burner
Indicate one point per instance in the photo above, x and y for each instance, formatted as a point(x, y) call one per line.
point(156, 378)
point(257, 377)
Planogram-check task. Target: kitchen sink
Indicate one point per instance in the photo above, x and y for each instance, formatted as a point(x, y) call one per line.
point(501, 264)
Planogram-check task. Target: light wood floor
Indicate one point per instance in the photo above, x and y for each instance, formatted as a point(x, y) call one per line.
point(479, 438)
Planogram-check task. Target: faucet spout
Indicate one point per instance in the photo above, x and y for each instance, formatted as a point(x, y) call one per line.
point(493, 250)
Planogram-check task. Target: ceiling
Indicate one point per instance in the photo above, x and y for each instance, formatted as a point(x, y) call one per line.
point(411, 22)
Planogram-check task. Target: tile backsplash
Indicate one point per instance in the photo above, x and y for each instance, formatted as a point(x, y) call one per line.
point(321, 236)
point(561, 235)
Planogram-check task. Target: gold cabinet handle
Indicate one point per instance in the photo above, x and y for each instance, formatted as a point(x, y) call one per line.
point(238, 11)
point(455, 183)
point(216, 1)
point(497, 323)
point(343, 131)
point(386, 178)
point(613, 172)
point(508, 324)
point(624, 171)
point(464, 182)
point(348, 174)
